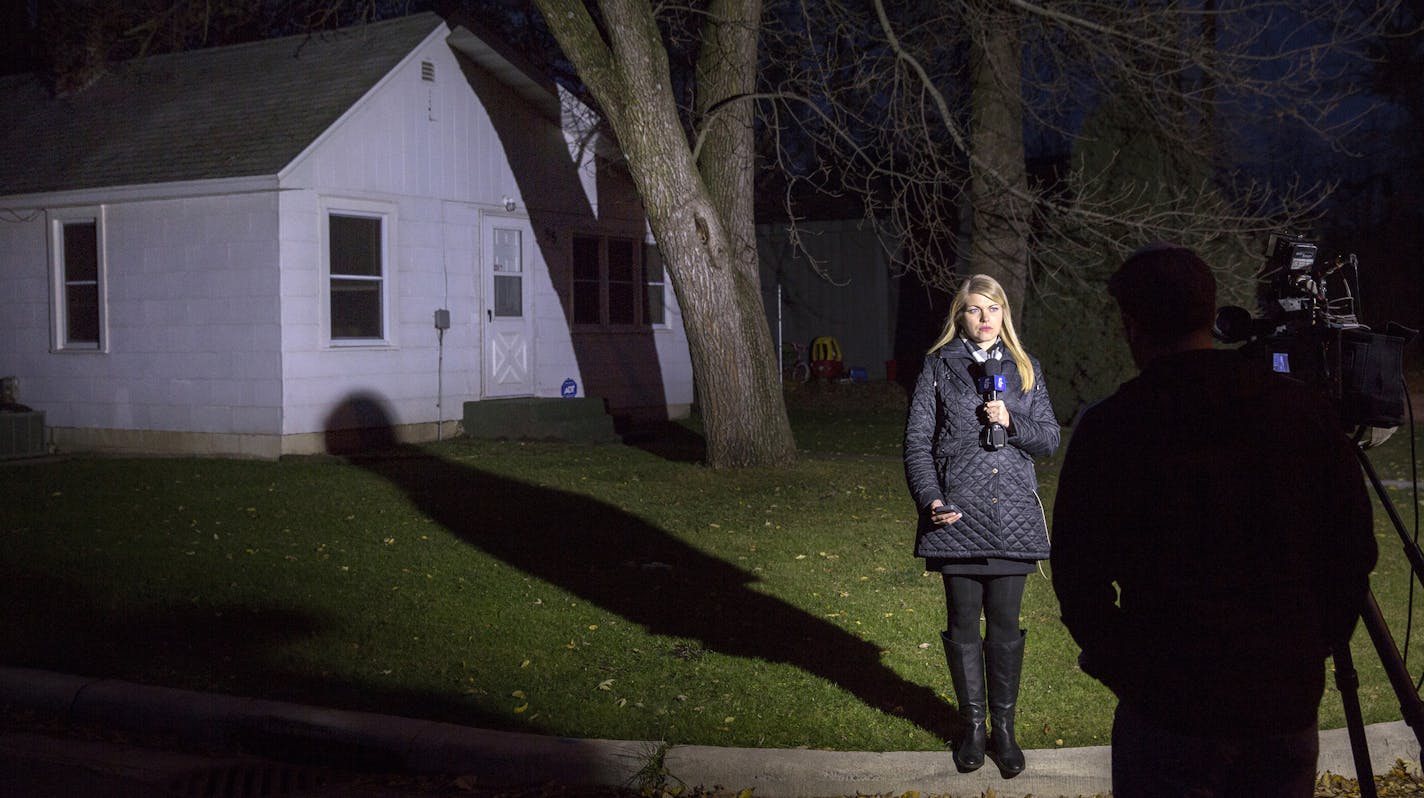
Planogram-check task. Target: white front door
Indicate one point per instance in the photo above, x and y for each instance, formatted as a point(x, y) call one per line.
point(509, 261)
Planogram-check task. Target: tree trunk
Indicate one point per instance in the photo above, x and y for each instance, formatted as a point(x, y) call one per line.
point(999, 242)
point(751, 404)
point(703, 223)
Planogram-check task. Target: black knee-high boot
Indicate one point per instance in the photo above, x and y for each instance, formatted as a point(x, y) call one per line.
point(1003, 663)
point(966, 670)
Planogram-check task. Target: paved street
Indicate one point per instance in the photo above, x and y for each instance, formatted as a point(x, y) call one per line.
point(43, 765)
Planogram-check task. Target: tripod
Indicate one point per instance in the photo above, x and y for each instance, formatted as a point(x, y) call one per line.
point(1347, 680)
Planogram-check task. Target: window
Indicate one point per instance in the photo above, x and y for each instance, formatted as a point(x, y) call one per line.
point(588, 301)
point(78, 265)
point(617, 282)
point(357, 277)
point(654, 307)
point(622, 282)
point(508, 267)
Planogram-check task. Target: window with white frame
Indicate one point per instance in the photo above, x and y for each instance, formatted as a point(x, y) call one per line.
point(356, 247)
point(655, 295)
point(78, 272)
point(617, 282)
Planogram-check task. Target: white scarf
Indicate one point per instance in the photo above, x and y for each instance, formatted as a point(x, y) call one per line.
point(980, 354)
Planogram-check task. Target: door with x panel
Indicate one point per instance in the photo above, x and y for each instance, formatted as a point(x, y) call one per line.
point(510, 261)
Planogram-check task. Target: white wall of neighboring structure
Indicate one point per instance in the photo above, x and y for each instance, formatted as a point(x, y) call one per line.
point(849, 293)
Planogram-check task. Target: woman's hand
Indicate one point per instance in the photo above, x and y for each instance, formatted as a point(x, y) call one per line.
point(941, 514)
point(996, 412)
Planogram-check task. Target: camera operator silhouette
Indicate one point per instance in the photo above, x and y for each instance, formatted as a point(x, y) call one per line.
point(1212, 542)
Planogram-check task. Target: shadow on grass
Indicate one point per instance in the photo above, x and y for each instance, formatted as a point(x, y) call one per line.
point(622, 564)
point(670, 440)
point(67, 626)
point(233, 649)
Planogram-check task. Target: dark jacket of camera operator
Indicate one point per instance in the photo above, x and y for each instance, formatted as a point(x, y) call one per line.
point(1212, 539)
point(996, 490)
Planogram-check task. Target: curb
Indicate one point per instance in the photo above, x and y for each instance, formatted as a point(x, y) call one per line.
point(788, 773)
point(316, 735)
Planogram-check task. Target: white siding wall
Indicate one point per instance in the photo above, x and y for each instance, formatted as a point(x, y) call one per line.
point(193, 342)
point(390, 153)
point(405, 374)
point(24, 315)
point(676, 362)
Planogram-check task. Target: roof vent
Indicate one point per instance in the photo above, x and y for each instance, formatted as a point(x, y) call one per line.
point(427, 71)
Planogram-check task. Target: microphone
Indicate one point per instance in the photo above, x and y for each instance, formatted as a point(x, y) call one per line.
point(993, 437)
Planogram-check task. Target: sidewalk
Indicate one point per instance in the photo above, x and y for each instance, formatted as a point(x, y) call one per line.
point(319, 736)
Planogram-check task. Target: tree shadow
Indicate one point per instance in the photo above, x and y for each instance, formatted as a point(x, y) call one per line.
point(619, 562)
point(67, 624)
point(664, 438)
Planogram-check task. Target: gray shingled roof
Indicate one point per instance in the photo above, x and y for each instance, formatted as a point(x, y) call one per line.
point(239, 111)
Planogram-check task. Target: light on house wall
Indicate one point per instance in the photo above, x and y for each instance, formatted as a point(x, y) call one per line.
point(509, 203)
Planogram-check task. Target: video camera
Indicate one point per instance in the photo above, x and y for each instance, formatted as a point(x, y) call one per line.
point(1303, 331)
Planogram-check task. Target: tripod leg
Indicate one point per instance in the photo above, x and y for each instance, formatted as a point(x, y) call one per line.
point(1410, 704)
point(1347, 681)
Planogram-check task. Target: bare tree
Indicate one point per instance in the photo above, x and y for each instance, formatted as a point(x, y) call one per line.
point(80, 38)
point(1162, 109)
point(694, 172)
point(922, 109)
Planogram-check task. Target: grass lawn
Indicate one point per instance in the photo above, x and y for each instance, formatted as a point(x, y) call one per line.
point(594, 591)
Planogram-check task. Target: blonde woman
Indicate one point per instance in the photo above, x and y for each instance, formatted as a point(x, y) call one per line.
point(969, 453)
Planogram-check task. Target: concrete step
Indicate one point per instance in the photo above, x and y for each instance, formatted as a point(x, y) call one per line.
point(581, 420)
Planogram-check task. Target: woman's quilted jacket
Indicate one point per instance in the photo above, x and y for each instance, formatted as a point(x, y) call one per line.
point(995, 490)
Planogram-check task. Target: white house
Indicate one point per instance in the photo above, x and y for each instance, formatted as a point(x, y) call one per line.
point(211, 251)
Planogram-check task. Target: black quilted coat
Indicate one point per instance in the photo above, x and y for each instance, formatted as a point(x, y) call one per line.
point(995, 490)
